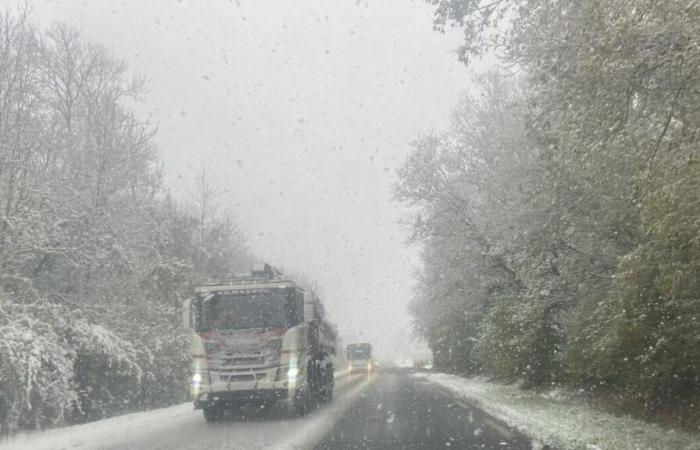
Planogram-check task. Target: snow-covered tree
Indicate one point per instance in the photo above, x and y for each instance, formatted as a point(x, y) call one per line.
point(95, 257)
point(576, 199)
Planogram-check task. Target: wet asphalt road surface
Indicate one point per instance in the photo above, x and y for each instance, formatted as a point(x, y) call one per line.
point(399, 411)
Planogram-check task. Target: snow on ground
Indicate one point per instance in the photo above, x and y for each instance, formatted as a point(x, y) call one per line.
point(559, 423)
point(108, 432)
point(182, 427)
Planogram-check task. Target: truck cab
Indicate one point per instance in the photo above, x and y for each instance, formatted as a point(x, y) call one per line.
point(257, 340)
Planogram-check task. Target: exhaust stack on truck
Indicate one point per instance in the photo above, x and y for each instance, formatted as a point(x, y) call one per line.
point(258, 339)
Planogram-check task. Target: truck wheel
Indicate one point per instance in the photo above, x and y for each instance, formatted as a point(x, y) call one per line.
point(305, 399)
point(328, 393)
point(301, 404)
point(212, 414)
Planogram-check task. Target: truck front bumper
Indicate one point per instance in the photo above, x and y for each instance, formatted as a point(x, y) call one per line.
point(222, 399)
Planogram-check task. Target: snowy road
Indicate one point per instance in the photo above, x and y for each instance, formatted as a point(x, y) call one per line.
point(385, 411)
point(400, 411)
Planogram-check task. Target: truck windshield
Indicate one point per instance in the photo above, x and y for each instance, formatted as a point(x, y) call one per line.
point(240, 312)
point(358, 353)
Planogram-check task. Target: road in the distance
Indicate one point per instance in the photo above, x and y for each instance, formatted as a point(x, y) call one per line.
point(399, 411)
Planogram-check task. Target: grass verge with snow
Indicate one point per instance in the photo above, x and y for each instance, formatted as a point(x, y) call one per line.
point(563, 424)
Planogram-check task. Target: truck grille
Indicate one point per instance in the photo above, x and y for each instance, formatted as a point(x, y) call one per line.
point(232, 378)
point(245, 361)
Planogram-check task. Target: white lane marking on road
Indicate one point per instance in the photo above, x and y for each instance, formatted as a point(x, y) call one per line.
point(317, 426)
point(503, 431)
point(464, 405)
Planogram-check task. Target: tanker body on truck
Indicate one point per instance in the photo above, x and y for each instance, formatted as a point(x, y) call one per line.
point(258, 339)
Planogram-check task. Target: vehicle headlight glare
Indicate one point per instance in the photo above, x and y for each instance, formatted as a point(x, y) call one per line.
point(292, 372)
point(197, 378)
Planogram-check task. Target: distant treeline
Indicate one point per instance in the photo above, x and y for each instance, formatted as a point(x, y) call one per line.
point(94, 255)
point(560, 213)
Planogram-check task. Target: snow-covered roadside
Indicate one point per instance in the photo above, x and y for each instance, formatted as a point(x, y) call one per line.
point(562, 424)
point(108, 432)
point(184, 428)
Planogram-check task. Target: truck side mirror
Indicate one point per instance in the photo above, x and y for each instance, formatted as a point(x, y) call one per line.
point(187, 314)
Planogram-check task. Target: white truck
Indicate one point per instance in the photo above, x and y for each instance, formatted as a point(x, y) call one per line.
point(258, 339)
point(359, 358)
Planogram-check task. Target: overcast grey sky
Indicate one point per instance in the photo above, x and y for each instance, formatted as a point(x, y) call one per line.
point(302, 110)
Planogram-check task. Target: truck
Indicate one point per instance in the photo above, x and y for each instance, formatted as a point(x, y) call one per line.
point(259, 339)
point(359, 357)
